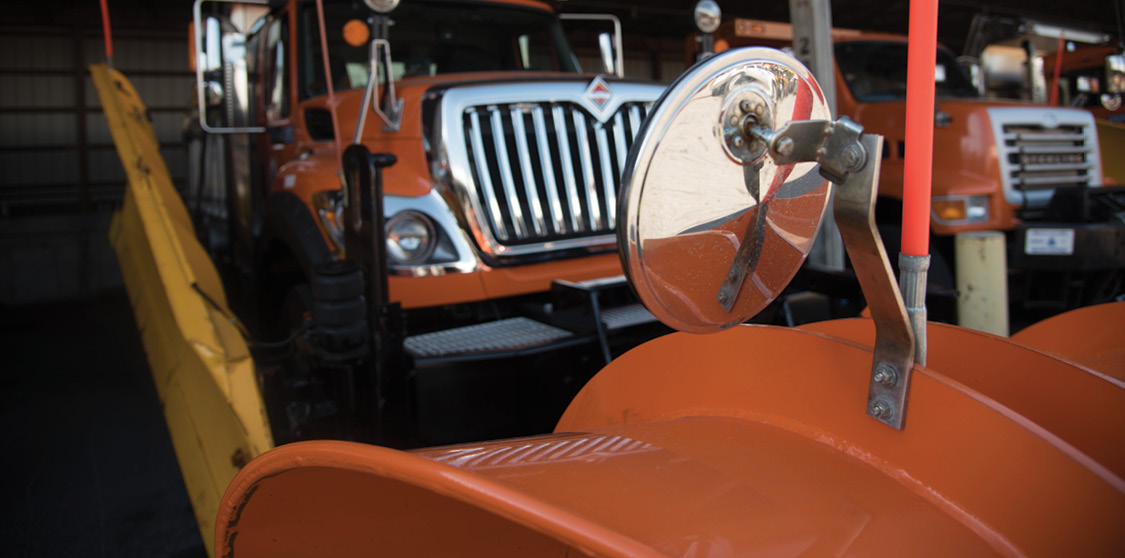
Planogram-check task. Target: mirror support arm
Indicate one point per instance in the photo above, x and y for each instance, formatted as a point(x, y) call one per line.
point(893, 361)
point(851, 159)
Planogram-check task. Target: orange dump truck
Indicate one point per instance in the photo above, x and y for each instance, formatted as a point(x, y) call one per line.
point(753, 440)
point(1032, 171)
point(400, 185)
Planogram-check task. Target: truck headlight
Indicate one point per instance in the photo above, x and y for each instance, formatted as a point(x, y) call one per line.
point(959, 210)
point(410, 238)
point(330, 210)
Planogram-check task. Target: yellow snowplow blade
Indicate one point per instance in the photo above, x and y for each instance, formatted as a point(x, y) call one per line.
point(201, 365)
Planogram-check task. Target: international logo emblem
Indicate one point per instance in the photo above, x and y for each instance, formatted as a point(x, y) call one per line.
point(599, 94)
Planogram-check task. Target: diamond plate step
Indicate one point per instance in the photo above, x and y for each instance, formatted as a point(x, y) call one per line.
point(626, 316)
point(488, 340)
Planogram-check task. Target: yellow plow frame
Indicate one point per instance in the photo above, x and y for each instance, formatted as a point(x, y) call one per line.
point(201, 365)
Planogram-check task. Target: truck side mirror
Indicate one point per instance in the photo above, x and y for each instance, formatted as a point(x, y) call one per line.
point(609, 58)
point(221, 71)
point(1115, 73)
point(609, 44)
point(972, 68)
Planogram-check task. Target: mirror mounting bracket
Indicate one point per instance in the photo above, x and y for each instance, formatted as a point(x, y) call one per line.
point(851, 159)
point(893, 361)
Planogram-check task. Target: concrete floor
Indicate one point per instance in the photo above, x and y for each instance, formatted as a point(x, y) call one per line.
point(88, 467)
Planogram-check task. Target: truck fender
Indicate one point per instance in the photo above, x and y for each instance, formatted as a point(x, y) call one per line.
point(289, 222)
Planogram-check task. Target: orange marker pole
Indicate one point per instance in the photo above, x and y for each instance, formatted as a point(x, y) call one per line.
point(914, 261)
point(921, 58)
point(108, 37)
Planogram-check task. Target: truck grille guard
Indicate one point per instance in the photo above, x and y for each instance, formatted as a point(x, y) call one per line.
point(1042, 149)
point(537, 167)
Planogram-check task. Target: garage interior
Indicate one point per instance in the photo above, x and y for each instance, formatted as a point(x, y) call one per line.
point(95, 472)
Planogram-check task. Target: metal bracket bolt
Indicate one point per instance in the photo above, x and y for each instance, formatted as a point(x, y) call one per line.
point(853, 156)
point(784, 146)
point(882, 410)
point(748, 110)
point(886, 375)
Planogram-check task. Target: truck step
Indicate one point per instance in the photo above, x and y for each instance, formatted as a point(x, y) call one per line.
point(626, 316)
point(502, 338)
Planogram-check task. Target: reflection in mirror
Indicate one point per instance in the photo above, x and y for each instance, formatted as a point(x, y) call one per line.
point(702, 206)
point(211, 37)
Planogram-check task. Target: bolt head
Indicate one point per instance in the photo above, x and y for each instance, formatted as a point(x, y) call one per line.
point(745, 106)
point(882, 410)
point(852, 156)
point(885, 374)
point(737, 142)
point(785, 146)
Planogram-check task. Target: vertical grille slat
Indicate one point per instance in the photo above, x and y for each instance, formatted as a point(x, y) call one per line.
point(545, 159)
point(589, 183)
point(619, 142)
point(530, 186)
point(484, 178)
point(635, 118)
point(506, 178)
point(546, 171)
point(609, 182)
point(567, 163)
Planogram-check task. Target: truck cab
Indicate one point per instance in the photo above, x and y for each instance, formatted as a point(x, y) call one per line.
point(441, 164)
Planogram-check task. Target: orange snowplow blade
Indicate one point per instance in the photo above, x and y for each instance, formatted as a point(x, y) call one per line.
point(753, 441)
point(201, 366)
point(1089, 336)
point(1040, 386)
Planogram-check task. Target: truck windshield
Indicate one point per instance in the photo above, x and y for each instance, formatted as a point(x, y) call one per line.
point(876, 71)
point(430, 38)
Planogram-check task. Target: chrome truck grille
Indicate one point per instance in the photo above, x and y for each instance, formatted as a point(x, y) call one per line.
point(1043, 148)
point(539, 166)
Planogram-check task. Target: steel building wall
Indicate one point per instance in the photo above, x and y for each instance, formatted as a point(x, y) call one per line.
point(61, 176)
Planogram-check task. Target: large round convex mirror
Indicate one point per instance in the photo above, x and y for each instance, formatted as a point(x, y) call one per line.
point(711, 230)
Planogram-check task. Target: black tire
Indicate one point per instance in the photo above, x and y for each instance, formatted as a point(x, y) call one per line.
point(337, 280)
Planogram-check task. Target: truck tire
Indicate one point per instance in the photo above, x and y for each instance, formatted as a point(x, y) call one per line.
point(337, 280)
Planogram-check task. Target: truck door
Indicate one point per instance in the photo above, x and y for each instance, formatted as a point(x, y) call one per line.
point(277, 144)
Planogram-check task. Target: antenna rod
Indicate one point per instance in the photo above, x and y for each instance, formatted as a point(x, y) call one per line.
point(914, 261)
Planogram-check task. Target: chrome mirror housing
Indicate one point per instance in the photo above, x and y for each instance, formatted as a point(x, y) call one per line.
point(711, 227)
point(724, 192)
